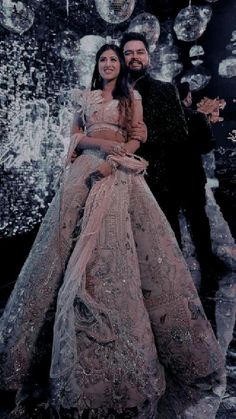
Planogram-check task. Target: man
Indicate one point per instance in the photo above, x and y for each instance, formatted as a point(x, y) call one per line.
point(166, 126)
point(175, 173)
point(167, 138)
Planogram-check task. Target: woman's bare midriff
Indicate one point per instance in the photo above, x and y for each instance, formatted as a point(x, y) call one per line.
point(107, 134)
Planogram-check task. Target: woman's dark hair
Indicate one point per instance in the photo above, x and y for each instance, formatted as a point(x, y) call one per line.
point(121, 90)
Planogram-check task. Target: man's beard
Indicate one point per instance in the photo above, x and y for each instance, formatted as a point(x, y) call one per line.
point(136, 73)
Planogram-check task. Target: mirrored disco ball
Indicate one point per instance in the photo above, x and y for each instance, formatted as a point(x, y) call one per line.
point(197, 62)
point(233, 36)
point(190, 24)
point(85, 61)
point(15, 16)
point(115, 11)
point(232, 48)
point(205, 12)
point(167, 71)
point(164, 63)
point(198, 78)
point(227, 67)
point(195, 52)
point(232, 45)
point(148, 25)
point(67, 45)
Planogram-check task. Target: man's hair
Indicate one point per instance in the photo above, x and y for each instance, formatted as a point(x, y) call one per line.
point(183, 89)
point(133, 36)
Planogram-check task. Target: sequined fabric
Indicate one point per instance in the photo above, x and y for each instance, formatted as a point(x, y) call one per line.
point(128, 314)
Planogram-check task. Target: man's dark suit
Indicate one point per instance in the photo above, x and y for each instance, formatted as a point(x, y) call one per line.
point(167, 135)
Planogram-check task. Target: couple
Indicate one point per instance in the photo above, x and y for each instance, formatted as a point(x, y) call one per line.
point(106, 271)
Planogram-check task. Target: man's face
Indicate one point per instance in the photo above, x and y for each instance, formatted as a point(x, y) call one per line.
point(136, 56)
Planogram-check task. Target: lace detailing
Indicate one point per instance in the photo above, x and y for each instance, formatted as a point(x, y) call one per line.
point(127, 298)
point(84, 314)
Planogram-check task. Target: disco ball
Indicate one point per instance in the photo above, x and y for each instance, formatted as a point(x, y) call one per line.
point(205, 12)
point(148, 25)
point(164, 62)
point(233, 36)
point(198, 78)
point(231, 47)
point(190, 24)
point(115, 11)
point(15, 16)
point(227, 67)
point(195, 52)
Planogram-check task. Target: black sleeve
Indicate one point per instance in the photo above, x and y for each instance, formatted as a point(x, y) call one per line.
point(175, 115)
point(203, 133)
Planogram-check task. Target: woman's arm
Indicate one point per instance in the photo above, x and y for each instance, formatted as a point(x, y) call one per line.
point(84, 141)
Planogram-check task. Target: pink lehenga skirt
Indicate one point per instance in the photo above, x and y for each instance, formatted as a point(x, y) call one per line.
point(126, 304)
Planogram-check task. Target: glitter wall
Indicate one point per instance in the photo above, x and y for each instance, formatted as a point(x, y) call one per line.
point(48, 47)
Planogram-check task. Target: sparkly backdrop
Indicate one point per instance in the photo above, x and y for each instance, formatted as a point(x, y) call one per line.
point(48, 47)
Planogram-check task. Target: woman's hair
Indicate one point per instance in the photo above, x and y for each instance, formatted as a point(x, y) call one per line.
point(121, 90)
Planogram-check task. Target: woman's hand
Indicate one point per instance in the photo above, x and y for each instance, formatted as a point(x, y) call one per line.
point(113, 147)
point(138, 132)
point(74, 156)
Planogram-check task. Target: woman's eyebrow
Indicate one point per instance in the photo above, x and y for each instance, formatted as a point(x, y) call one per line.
point(111, 56)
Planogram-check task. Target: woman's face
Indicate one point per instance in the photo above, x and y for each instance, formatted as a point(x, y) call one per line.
point(109, 65)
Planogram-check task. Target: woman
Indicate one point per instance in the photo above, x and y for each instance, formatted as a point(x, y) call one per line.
point(127, 298)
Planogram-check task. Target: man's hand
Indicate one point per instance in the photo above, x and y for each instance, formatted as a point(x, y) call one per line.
point(138, 132)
